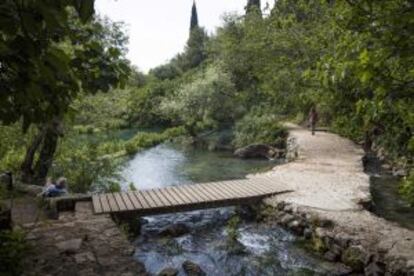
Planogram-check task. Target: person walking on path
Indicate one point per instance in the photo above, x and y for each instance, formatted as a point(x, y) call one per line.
point(313, 119)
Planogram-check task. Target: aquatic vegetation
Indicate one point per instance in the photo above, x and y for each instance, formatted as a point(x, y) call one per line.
point(148, 139)
point(407, 188)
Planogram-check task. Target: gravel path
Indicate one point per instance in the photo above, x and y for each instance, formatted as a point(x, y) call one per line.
point(328, 180)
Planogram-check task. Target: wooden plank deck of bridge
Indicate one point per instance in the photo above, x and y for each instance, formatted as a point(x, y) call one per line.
point(187, 197)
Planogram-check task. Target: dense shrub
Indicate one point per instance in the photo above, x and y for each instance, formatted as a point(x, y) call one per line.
point(12, 146)
point(13, 248)
point(143, 104)
point(208, 101)
point(264, 129)
point(85, 167)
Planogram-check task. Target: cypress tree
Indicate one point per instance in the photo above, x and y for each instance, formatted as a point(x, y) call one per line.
point(253, 5)
point(194, 17)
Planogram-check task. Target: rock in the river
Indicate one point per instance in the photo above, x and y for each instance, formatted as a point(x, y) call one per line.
point(375, 267)
point(247, 212)
point(175, 230)
point(354, 257)
point(236, 248)
point(69, 246)
point(258, 151)
point(286, 219)
point(192, 269)
point(333, 254)
point(295, 226)
point(307, 233)
point(169, 271)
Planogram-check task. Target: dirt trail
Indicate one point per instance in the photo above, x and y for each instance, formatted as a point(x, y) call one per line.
point(328, 180)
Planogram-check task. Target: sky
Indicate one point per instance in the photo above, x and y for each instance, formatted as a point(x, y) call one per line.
point(159, 29)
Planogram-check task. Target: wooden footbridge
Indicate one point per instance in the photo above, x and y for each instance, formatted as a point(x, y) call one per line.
point(187, 197)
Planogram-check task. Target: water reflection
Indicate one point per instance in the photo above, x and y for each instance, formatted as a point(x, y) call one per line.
point(170, 164)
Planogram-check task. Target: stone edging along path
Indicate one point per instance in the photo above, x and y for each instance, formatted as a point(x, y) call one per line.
point(330, 189)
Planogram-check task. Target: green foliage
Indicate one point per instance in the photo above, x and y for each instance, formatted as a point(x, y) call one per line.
point(143, 103)
point(132, 187)
point(86, 167)
point(49, 53)
point(112, 187)
point(12, 146)
point(143, 140)
point(263, 129)
point(173, 132)
point(232, 229)
point(101, 111)
point(366, 75)
point(407, 188)
point(149, 139)
point(348, 57)
point(13, 249)
point(195, 52)
point(209, 101)
point(233, 246)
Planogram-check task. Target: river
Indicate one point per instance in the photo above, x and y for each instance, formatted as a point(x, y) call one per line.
point(269, 250)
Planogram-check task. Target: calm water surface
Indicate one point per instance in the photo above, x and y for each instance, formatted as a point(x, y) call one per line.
point(170, 164)
point(387, 202)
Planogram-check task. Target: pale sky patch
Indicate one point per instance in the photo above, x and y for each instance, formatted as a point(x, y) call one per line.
point(158, 29)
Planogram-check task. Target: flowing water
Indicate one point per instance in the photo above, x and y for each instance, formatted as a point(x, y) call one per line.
point(269, 250)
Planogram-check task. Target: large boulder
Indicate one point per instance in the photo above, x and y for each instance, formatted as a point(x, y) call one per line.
point(259, 151)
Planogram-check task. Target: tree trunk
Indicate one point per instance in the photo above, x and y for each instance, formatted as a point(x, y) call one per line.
point(46, 155)
point(47, 138)
point(27, 165)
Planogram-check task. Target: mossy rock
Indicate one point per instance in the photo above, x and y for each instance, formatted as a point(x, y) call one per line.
point(318, 245)
point(354, 257)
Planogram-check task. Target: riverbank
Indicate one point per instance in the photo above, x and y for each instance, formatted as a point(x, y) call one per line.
point(330, 192)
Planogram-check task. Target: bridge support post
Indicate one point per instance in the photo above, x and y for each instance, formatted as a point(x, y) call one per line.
point(129, 221)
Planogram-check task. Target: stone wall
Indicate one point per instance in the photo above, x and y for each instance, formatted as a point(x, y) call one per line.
point(325, 238)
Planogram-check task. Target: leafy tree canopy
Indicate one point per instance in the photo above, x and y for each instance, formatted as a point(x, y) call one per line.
point(50, 50)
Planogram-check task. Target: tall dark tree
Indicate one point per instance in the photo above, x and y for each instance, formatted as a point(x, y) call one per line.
point(195, 52)
point(194, 17)
point(253, 5)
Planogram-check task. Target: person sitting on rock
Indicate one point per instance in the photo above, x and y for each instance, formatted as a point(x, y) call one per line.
point(54, 190)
